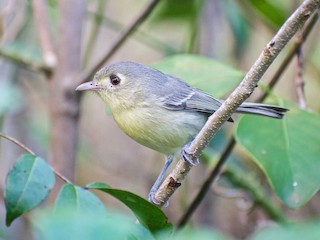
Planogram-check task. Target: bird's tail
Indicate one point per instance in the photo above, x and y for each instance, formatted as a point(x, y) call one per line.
point(262, 109)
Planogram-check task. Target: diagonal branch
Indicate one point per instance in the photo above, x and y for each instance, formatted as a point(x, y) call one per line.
point(231, 144)
point(242, 92)
point(24, 147)
point(121, 39)
point(25, 62)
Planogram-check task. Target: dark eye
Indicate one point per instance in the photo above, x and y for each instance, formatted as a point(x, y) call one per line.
point(114, 79)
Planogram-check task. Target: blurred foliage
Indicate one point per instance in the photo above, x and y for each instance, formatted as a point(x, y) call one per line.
point(287, 151)
point(201, 72)
point(305, 230)
point(10, 97)
point(185, 10)
point(66, 223)
point(238, 23)
point(271, 10)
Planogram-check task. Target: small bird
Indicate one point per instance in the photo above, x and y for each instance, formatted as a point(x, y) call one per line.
point(160, 111)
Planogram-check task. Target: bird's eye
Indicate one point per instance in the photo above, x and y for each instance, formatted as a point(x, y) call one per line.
point(114, 79)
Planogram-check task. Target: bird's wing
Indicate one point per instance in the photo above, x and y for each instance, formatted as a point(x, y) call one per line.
point(184, 97)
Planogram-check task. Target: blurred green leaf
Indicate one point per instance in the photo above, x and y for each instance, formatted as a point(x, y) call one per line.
point(238, 23)
point(28, 184)
point(66, 223)
point(79, 199)
point(308, 230)
point(271, 11)
point(178, 9)
point(21, 50)
point(148, 214)
point(287, 151)
point(204, 73)
point(10, 97)
point(197, 234)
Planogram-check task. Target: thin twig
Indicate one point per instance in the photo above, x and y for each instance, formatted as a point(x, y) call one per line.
point(242, 92)
point(121, 39)
point(43, 29)
point(299, 81)
point(97, 20)
point(15, 141)
point(207, 183)
point(215, 172)
point(142, 36)
point(259, 196)
point(21, 145)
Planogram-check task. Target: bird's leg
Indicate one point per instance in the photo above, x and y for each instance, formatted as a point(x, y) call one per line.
point(157, 183)
point(185, 155)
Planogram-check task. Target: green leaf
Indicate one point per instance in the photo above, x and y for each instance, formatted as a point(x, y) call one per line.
point(66, 223)
point(148, 214)
point(204, 73)
point(287, 151)
point(28, 184)
point(183, 9)
point(10, 97)
point(197, 234)
point(272, 11)
point(306, 230)
point(79, 199)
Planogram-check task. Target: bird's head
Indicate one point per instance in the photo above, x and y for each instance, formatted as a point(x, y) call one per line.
point(121, 84)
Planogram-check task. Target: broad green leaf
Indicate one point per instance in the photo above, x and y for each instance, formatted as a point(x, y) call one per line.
point(204, 73)
point(148, 214)
point(287, 151)
point(28, 184)
point(66, 223)
point(306, 230)
point(79, 199)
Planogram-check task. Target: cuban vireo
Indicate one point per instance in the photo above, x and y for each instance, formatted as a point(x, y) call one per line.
point(160, 111)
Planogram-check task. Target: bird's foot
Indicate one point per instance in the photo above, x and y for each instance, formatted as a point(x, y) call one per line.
point(152, 199)
point(187, 156)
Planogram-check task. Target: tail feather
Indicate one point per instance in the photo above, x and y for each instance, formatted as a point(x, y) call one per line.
point(262, 109)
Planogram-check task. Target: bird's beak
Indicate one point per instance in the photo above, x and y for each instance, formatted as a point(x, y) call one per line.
point(88, 86)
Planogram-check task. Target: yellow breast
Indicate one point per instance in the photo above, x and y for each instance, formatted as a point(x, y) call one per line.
point(160, 129)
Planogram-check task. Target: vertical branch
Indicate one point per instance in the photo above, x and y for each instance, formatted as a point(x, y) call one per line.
point(299, 81)
point(42, 24)
point(63, 102)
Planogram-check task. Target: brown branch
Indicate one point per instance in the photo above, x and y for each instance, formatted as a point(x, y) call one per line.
point(121, 39)
point(242, 92)
point(15, 141)
point(230, 146)
point(43, 29)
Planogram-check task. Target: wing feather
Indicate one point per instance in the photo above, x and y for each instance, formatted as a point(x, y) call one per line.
point(185, 97)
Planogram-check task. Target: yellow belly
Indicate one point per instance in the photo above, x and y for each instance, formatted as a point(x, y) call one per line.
point(157, 128)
